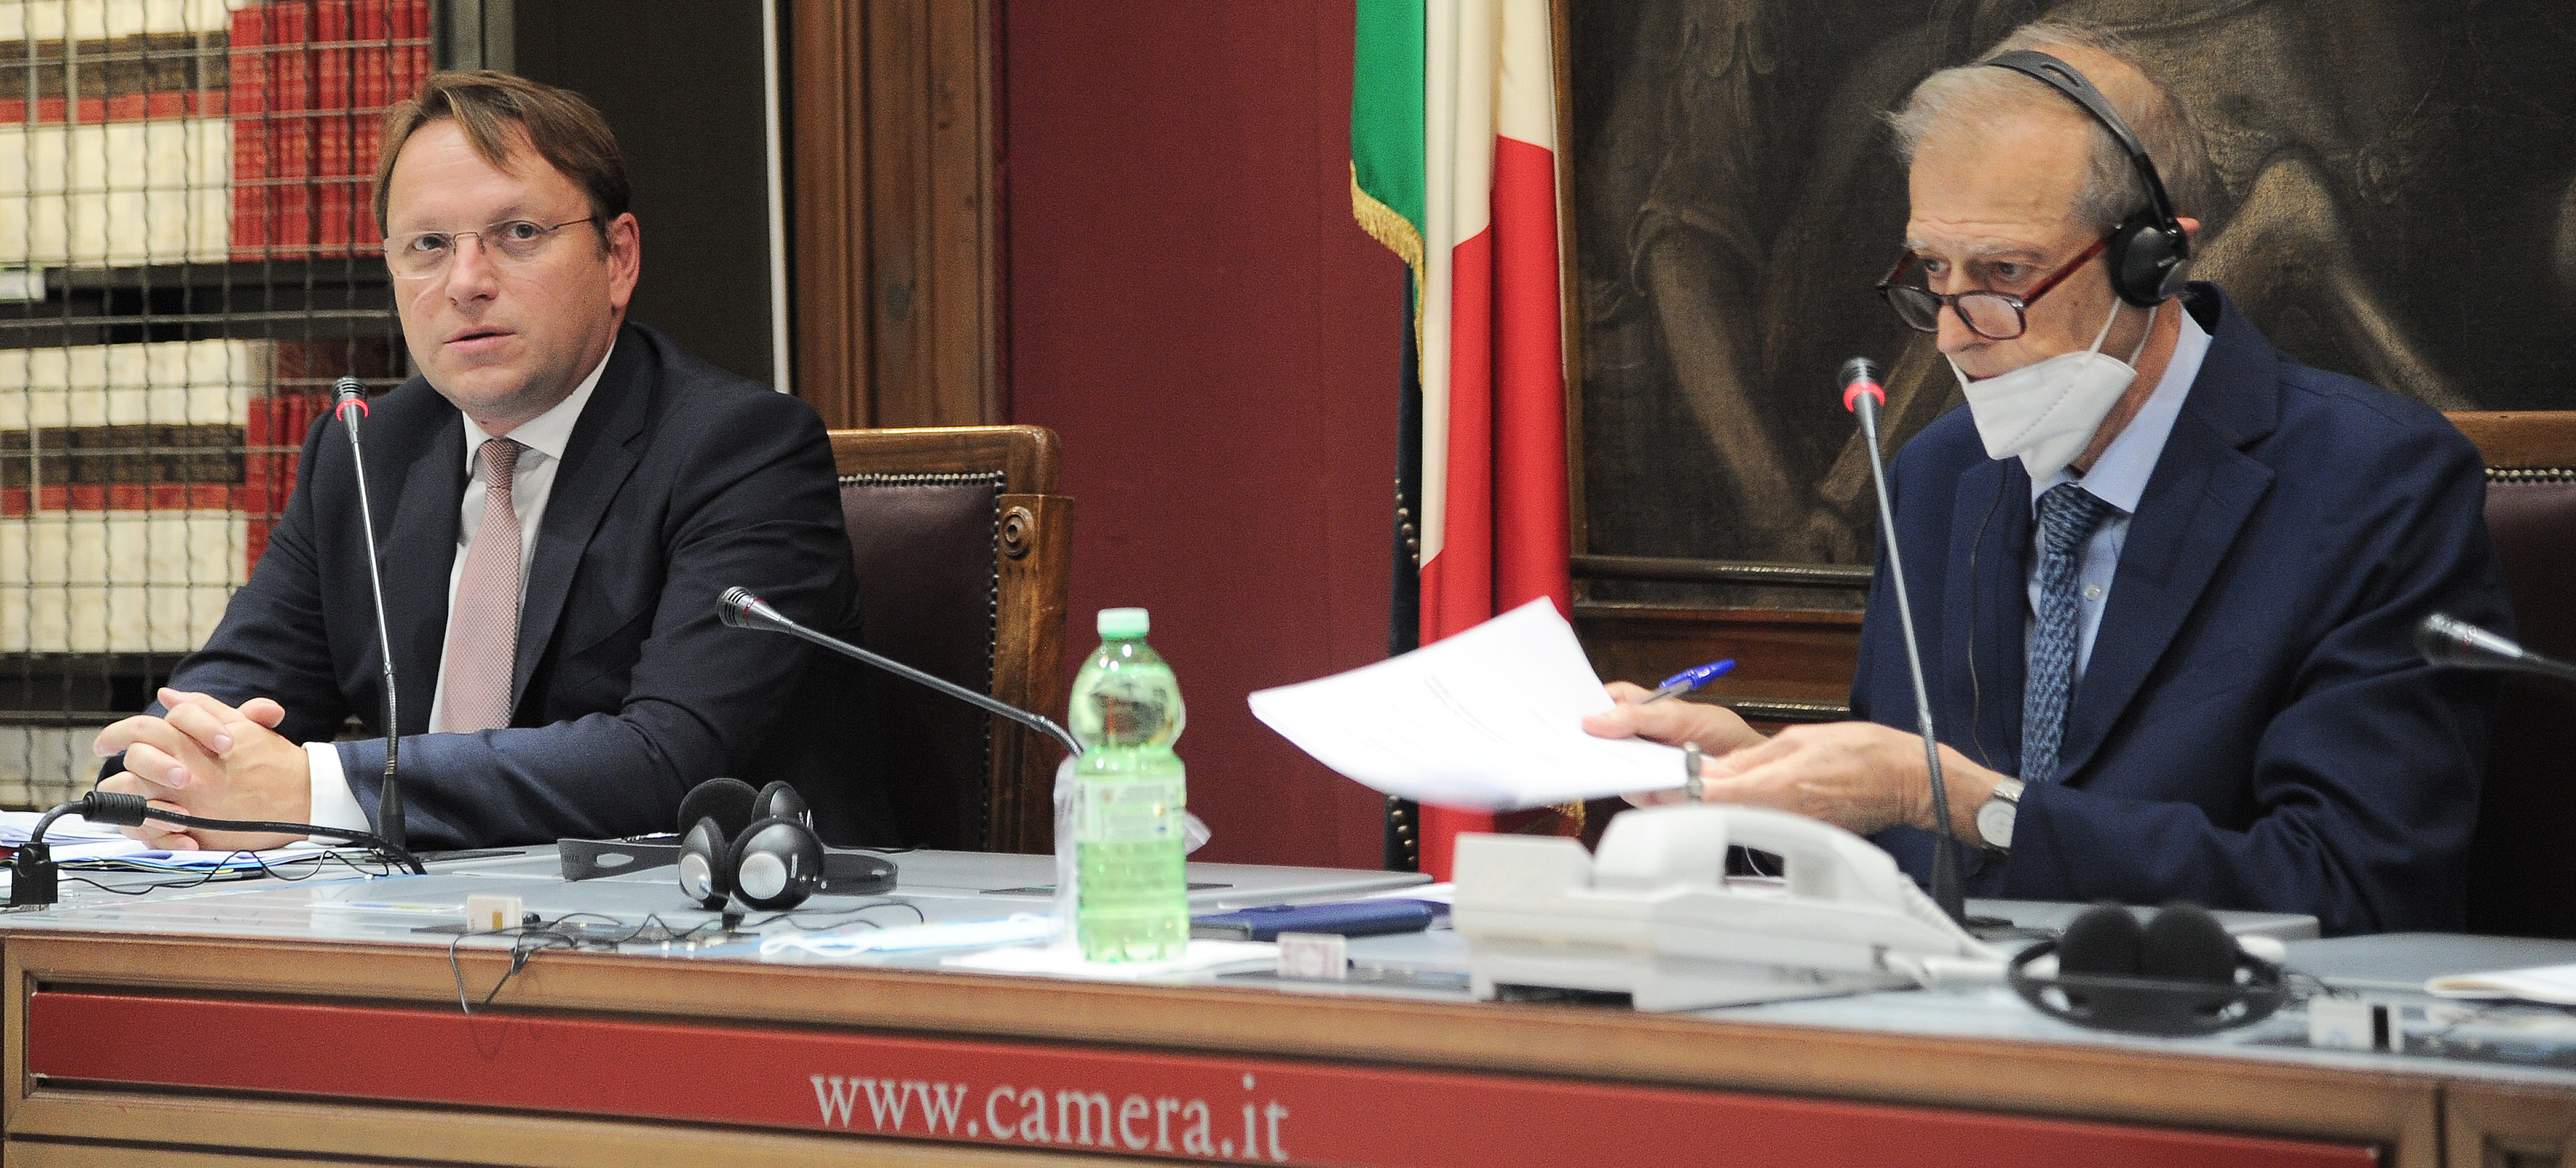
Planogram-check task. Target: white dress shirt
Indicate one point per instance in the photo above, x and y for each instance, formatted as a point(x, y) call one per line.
point(2118, 478)
point(531, 483)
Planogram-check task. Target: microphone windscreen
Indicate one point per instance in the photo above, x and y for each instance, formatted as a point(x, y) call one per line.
point(1858, 379)
point(2105, 940)
point(1856, 370)
point(734, 608)
point(727, 801)
point(2448, 640)
point(2185, 943)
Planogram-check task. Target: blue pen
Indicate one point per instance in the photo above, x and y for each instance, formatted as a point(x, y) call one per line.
point(1691, 679)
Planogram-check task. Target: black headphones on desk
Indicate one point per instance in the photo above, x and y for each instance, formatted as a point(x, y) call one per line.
point(2146, 251)
point(759, 846)
point(2179, 974)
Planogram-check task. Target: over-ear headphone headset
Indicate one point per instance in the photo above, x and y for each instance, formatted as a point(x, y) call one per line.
point(2180, 973)
point(759, 846)
point(2146, 251)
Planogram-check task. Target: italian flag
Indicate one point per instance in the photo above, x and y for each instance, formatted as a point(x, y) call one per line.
point(1453, 166)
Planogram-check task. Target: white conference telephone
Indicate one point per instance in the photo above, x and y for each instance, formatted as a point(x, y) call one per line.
point(1653, 915)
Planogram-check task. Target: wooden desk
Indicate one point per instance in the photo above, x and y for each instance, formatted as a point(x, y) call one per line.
point(358, 1051)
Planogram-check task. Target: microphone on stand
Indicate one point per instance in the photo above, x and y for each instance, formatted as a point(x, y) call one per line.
point(2448, 640)
point(742, 610)
point(1863, 397)
point(349, 403)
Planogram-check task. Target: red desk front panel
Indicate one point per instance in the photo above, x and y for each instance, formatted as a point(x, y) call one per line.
point(1131, 1102)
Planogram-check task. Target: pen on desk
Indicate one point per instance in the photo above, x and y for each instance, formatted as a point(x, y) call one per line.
point(1691, 679)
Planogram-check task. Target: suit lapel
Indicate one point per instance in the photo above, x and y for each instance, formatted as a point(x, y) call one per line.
point(2203, 489)
point(596, 461)
point(1981, 605)
point(423, 530)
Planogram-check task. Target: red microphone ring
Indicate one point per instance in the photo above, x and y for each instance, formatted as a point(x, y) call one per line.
point(1851, 395)
point(341, 411)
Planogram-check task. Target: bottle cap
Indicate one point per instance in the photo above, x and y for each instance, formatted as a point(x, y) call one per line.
point(1123, 623)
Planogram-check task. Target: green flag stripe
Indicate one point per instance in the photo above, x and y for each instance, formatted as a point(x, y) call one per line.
point(1386, 126)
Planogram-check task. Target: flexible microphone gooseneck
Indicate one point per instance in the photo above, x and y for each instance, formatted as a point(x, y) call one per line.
point(2448, 640)
point(1863, 397)
point(349, 405)
point(742, 610)
point(33, 880)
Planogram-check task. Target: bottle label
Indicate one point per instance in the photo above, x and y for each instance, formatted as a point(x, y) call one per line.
point(1129, 813)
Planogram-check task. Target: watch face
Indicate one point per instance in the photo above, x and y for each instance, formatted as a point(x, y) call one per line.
point(1995, 822)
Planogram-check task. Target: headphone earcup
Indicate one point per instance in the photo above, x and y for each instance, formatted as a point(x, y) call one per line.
point(776, 864)
point(2104, 940)
point(728, 801)
point(2146, 261)
point(780, 801)
point(706, 869)
point(2185, 943)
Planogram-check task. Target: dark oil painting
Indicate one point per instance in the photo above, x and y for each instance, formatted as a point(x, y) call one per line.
point(2397, 201)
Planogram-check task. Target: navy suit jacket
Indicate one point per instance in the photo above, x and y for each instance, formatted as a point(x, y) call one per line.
point(679, 481)
point(2255, 729)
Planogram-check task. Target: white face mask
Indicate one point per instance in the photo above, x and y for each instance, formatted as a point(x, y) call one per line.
point(2047, 411)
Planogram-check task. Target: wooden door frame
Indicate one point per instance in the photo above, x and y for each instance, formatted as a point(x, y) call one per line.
point(894, 121)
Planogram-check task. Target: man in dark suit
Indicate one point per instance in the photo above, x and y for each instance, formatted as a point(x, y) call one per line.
point(559, 496)
point(2165, 605)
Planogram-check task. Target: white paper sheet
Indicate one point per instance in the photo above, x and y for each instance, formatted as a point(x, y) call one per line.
point(1490, 719)
point(2554, 984)
point(16, 826)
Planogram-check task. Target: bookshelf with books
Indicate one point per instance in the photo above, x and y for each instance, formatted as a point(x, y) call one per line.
point(184, 217)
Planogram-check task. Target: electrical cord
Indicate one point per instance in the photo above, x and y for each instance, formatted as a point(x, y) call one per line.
point(34, 876)
point(555, 935)
point(312, 866)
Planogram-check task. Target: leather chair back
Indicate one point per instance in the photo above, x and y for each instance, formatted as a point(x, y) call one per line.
point(2522, 863)
point(963, 554)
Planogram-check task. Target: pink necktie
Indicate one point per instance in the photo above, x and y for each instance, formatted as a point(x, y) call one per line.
point(483, 624)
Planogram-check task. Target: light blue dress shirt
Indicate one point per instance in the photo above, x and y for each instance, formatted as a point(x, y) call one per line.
point(2118, 478)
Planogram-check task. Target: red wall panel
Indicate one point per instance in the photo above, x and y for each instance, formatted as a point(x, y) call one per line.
point(1192, 309)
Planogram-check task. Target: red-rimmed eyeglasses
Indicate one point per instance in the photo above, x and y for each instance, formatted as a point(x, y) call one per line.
point(1996, 316)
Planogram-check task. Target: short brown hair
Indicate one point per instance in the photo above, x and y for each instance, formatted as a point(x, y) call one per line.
point(562, 128)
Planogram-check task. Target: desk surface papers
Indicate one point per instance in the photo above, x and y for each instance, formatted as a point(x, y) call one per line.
point(1490, 719)
point(2553, 984)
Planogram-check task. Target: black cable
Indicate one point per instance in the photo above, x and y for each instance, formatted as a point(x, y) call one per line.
point(265, 868)
point(125, 809)
point(365, 839)
point(552, 935)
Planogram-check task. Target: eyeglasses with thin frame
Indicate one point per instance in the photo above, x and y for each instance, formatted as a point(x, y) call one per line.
point(1996, 316)
point(425, 253)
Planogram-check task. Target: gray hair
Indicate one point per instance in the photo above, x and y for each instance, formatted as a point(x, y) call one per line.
point(1967, 96)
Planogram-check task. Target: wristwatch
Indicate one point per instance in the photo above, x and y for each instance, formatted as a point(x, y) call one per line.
point(1995, 817)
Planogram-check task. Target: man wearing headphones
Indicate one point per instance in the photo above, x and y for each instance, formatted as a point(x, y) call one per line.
point(2165, 578)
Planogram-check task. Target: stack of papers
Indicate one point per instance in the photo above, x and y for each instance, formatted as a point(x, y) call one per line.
point(1201, 956)
point(74, 838)
point(2553, 984)
point(16, 826)
point(1489, 719)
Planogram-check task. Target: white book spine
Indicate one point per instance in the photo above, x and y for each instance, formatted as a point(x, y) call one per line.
point(117, 581)
point(44, 765)
point(121, 193)
point(90, 20)
point(196, 383)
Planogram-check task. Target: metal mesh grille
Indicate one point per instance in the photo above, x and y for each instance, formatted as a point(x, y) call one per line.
point(187, 260)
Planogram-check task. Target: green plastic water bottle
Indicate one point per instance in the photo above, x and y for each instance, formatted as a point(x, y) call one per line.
point(1129, 797)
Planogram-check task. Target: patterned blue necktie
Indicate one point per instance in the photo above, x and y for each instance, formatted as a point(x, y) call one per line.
point(2068, 515)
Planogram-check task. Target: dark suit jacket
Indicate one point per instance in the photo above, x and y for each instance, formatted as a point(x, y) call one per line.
point(680, 480)
point(2255, 729)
